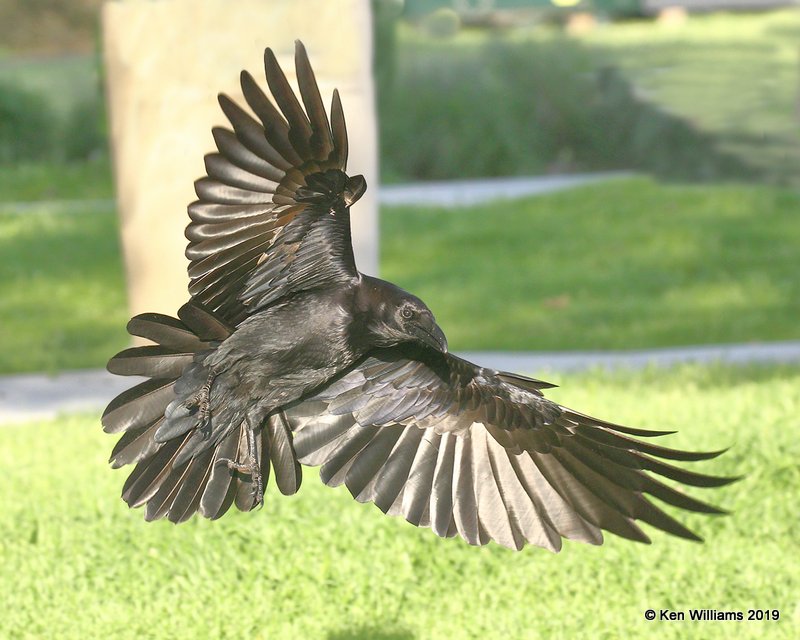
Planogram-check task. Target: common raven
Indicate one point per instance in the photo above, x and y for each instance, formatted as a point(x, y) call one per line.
point(286, 354)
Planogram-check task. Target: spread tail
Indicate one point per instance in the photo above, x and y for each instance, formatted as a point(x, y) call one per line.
point(179, 468)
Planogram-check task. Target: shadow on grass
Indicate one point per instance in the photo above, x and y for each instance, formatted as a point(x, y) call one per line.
point(370, 633)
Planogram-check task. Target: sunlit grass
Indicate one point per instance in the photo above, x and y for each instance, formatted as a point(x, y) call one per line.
point(55, 181)
point(62, 293)
point(78, 563)
point(614, 266)
point(735, 76)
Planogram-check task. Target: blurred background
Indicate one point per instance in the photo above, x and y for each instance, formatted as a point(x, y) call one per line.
point(699, 246)
point(692, 105)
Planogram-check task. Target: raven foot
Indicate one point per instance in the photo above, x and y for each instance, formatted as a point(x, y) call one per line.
point(202, 400)
point(250, 466)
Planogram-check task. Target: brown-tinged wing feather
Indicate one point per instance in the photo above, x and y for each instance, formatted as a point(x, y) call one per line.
point(459, 448)
point(270, 219)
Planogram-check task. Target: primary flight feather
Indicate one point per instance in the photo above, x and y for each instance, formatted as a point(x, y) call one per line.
point(286, 354)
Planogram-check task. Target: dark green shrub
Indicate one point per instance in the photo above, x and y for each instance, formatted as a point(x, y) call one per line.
point(85, 135)
point(28, 126)
point(517, 108)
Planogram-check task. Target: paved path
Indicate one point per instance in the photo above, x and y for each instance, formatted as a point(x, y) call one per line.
point(456, 193)
point(444, 194)
point(36, 396)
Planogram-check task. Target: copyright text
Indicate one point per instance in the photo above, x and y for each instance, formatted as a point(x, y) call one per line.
point(711, 615)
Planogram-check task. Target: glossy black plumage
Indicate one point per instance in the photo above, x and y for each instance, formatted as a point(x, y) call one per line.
point(287, 354)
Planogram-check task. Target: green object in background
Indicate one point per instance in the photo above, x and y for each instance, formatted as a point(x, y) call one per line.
point(617, 8)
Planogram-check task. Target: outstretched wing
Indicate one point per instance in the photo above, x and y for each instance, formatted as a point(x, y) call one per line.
point(272, 216)
point(463, 449)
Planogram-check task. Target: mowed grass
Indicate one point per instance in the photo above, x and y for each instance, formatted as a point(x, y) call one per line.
point(614, 266)
point(55, 181)
point(320, 565)
point(734, 76)
point(731, 75)
point(620, 265)
point(62, 291)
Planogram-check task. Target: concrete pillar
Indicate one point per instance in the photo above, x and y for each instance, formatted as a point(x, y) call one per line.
point(165, 63)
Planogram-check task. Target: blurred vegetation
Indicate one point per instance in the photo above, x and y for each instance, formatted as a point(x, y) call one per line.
point(535, 106)
point(62, 292)
point(48, 26)
point(734, 77)
point(620, 265)
point(26, 125)
point(47, 117)
point(320, 565)
point(714, 99)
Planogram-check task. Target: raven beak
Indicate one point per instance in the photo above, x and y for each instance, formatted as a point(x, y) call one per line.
point(433, 337)
point(354, 189)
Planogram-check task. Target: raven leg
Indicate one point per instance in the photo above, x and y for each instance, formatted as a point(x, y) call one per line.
point(250, 465)
point(202, 400)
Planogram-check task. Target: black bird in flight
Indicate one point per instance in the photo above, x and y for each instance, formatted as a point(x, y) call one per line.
point(286, 354)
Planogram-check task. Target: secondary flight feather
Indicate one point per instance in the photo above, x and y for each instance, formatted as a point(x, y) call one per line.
point(286, 355)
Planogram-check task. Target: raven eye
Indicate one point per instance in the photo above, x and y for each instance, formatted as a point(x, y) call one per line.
point(407, 313)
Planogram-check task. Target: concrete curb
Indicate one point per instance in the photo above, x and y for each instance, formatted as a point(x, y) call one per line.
point(460, 193)
point(30, 397)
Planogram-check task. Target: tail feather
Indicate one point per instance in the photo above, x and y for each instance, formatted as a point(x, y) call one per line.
point(221, 489)
point(203, 323)
point(135, 444)
point(179, 469)
point(139, 405)
point(166, 331)
point(154, 361)
point(288, 474)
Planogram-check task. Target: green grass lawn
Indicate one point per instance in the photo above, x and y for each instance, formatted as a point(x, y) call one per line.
point(62, 291)
point(78, 564)
point(734, 76)
point(56, 181)
point(620, 265)
point(613, 266)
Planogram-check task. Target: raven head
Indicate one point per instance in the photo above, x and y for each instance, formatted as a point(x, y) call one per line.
point(417, 324)
point(404, 318)
point(391, 315)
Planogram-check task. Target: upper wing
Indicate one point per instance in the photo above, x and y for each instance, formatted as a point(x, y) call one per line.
point(468, 450)
point(271, 217)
